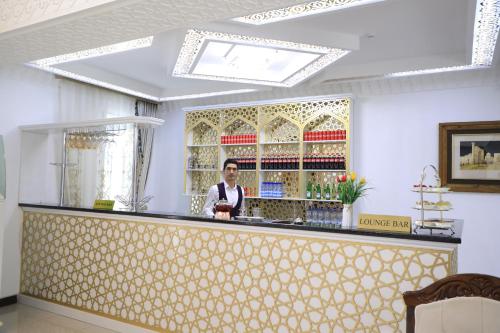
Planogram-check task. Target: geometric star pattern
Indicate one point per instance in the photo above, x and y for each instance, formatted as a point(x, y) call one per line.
point(173, 277)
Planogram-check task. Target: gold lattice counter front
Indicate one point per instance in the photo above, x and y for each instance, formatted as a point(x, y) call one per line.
point(183, 276)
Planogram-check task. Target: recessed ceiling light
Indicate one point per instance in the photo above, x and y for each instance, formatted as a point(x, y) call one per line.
point(203, 95)
point(486, 28)
point(47, 63)
point(236, 58)
point(310, 8)
point(95, 82)
point(97, 52)
point(435, 70)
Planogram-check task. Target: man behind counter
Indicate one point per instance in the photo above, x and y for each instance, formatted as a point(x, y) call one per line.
point(227, 190)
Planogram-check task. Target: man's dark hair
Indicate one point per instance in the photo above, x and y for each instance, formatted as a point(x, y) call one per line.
point(230, 161)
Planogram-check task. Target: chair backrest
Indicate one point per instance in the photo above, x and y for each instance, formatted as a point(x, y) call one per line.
point(460, 285)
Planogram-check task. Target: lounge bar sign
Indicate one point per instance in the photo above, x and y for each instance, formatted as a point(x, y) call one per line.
point(104, 204)
point(385, 223)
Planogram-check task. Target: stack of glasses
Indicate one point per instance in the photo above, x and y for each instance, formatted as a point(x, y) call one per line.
point(271, 190)
point(324, 217)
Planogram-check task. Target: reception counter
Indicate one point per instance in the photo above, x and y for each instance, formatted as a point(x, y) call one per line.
point(178, 273)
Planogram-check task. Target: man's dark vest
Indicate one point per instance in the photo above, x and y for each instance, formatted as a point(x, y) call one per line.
point(222, 196)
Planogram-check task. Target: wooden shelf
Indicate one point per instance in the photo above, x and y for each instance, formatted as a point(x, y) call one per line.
point(280, 143)
point(196, 146)
point(326, 141)
point(324, 170)
point(52, 127)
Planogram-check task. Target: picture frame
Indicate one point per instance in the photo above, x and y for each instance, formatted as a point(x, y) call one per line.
point(469, 156)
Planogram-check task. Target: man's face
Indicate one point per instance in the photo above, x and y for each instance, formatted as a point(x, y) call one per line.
point(230, 172)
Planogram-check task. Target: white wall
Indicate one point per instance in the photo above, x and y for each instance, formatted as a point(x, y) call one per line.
point(395, 136)
point(26, 96)
point(166, 177)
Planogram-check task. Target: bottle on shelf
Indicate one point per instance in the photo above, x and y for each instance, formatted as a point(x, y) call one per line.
point(309, 215)
point(309, 190)
point(318, 191)
point(327, 192)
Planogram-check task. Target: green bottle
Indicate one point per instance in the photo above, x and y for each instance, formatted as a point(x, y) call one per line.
point(318, 191)
point(327, 192)
point(309, 190)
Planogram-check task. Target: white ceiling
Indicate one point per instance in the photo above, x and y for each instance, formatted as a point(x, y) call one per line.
point(393, 36)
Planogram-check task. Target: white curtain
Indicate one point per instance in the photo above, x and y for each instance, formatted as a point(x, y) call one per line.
point(99, 167)
point(79, 101)
point(145, 145)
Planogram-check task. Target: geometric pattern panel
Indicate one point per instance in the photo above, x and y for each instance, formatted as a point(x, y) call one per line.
point(212, 116)
point(172, 277)
point(239, 127)
point(323, 178)
point(201, 181)
point(286, 209)
point(203, 134)
point(324, 122)
point(281, 130)
point(204, 157)
point(326, 149)
point(248, 113)
point(290, 180)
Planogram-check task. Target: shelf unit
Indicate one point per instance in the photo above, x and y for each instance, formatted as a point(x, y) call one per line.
point(279, 127)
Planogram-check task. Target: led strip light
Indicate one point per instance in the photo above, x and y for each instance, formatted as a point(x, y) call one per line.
point(486, 26)
point(306, 9)
point(195, 40)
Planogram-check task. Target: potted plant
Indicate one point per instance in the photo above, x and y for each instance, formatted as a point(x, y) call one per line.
point(349, 189)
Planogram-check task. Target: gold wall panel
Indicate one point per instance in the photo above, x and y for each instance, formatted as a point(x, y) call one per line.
point(283, 149)
point(337, 148)
point(279, 122)
point(203, 134)
point(205, 157)
point(196, 204)
point(286, 209)
point(290, 180)
point(322, 178)
point(240, 151)
point(170, 277)
point(276, 209)
point(201, 181)
point(324, 122)
point(193, 118)
point(281, 130)
point(247, 114)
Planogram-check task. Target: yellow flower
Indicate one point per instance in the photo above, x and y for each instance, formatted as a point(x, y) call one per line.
point(353, 175)
point(362, 181)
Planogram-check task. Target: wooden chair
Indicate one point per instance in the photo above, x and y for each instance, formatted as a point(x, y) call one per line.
point(460, 285)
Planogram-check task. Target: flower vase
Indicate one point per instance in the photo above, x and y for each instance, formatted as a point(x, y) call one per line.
point(347, 216)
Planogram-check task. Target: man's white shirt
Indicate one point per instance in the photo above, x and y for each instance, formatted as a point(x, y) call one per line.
point(213, 197)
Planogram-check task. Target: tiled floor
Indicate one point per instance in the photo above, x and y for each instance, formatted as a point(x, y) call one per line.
point(20, 318)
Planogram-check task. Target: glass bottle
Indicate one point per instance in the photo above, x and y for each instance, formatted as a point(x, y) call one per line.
point(327, 192)
point(309, 190)
point(318, 191)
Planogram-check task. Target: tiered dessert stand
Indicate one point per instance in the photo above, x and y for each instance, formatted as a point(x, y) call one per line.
point(439, 223)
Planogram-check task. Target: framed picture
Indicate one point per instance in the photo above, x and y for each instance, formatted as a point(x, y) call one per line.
point(469, 156)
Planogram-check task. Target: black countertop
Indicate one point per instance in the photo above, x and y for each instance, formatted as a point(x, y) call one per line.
point(443, 236)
